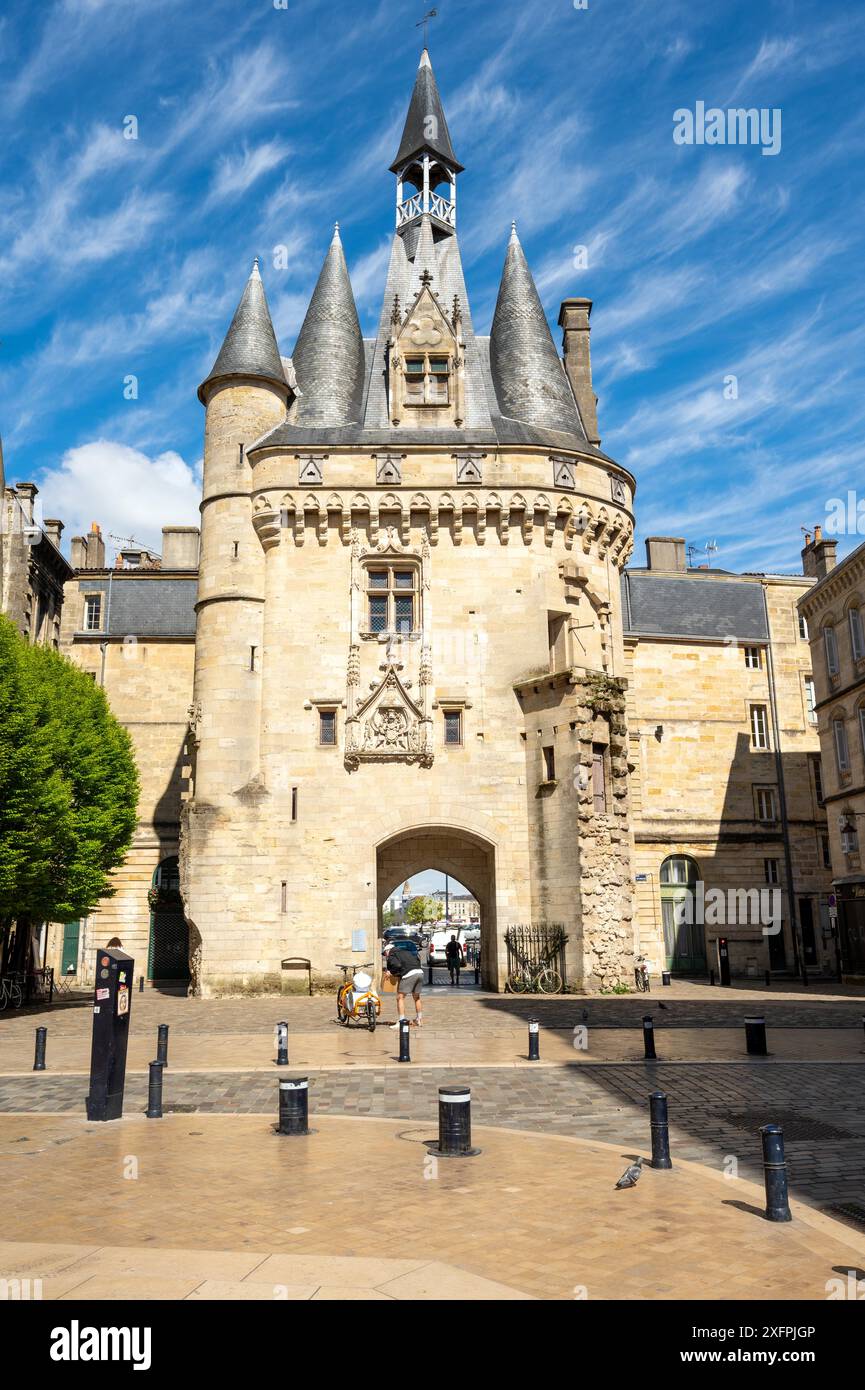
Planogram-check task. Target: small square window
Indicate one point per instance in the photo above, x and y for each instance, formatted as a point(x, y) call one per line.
point(327, 727)
point(438, 366)
point(404, 579)
point(752, 658)
point(404, 615)
point(453, 726)
point(414, 366)
point(377, 579)
point(770, 867)
point(377, 614)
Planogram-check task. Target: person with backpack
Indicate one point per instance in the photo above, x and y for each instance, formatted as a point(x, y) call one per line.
point(403, 962)
point(454, 960)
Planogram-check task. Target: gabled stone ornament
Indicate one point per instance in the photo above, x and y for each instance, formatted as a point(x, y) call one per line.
point(388, 468)
point(564, 475)
point(470, 468)
point(311, 470)
point(388, 726)
point(617, 492)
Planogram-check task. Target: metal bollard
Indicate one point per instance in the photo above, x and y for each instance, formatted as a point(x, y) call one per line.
point(162, 1044)
point(478, 971)
point(755, 1037)
point(455, 1123)
point(429, 978)
point(534, 1040)
point(649, 1038)
point(39, 1058)
point(775, 1174)
point(294, 1106)
point(404, 1053)
point(660, 1130)
point(768, 979)
point(282, 1044)
point(154, 1091)
point(711, 977)
point(665, 977)
point(140, 984)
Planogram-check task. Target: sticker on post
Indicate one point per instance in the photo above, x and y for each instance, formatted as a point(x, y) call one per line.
point(103, 993)
point(123, 1000)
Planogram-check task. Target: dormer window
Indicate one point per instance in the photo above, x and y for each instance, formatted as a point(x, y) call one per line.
point(427, 380)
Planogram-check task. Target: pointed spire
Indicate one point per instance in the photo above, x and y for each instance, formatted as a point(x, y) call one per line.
point(425, 126)
point(528, 375)
point(250, 348)
point(328, 357)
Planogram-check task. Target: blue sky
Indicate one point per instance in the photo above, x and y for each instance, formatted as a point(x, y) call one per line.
point(258, 127)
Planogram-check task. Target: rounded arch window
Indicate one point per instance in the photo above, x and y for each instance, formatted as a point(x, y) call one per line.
point(679, 870)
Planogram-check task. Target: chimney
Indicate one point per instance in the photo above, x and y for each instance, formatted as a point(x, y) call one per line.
point(574, 320)
point(27, 493)
point(818, 556)
point(53, 530)
point(180, 547)
point(666, 553)
point(95, 548)
point(78, 553)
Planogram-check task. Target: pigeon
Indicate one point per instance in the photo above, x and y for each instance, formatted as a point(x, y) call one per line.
point(660, 1005)
point(631, 1174)
point(585, 1015)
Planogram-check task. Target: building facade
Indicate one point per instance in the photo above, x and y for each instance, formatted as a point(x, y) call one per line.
point(728, 813)
point(33, 570)
point(833, 612)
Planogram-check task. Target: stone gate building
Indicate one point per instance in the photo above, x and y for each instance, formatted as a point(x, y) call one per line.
point(409, 636)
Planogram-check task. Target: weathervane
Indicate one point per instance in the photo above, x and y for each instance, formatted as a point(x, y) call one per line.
point(424, 23)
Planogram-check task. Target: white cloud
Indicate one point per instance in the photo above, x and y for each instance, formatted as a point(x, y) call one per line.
point(236, 173)
point(124, 490)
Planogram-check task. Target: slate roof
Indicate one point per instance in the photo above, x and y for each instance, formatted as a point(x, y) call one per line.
point(250, 348)
point(328, 358)
point(151, 607)
point(425, 125)
point(692, 605)
point(527, 373)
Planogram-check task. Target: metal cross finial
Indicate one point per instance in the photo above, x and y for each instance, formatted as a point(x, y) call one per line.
point(424, 24)
point(426, 278)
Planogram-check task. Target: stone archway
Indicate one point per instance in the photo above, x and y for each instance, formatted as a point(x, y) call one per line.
point(463, 855)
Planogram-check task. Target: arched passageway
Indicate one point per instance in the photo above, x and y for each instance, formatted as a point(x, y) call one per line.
point(464, 856)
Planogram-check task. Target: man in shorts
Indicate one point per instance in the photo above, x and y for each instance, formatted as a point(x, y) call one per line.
point(405, 965)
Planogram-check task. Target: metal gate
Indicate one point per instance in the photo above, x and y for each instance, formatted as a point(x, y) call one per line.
point(168, 955)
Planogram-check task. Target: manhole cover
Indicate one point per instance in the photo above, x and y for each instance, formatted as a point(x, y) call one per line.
point(851, 1213)
point(795, 1125)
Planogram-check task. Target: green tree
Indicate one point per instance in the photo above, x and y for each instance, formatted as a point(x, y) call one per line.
point(93, 754)
point(422, 910)
point(68, 789)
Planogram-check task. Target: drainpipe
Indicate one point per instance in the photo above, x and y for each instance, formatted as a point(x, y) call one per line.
point(798, 942)
point(103, 647)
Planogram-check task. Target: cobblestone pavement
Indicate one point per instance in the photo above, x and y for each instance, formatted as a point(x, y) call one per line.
point(715, 1110)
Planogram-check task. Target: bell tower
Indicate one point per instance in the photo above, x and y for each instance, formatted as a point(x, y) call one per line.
point(426, 167)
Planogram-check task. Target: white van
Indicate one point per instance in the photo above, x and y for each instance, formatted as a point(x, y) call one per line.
point(439, 941)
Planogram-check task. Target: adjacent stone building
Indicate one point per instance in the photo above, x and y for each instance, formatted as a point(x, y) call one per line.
point(833, 613)
point(726, 789)
point(32, 569)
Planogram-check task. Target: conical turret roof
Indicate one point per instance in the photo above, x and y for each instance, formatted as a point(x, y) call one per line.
point(527, 373)
point(250, 348)
point(328, 357)
point(425, 126)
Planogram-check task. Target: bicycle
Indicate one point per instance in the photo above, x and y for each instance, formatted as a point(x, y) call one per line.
point(12, 990)
point(356, 997)
point(535, 977)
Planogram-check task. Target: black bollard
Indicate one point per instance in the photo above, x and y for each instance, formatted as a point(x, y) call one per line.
point(665, 977)
point(429, 978)
point(140, 984)
point(534, 1040)
point(660, 1130)
point(41, 1039)
point(711, 977)
point(755, 1037)
point(455, 1123)
point(775, 1174)
point(478, 971)
point(649, 1038)
point(162, 1044)
point(404, 1053)
point(294, 1106)
point(154, 1091)
point(282, 1044)
point(768, 979)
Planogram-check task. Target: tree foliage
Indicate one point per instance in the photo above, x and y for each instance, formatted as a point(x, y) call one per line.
point(421, 910)
point(68, 785)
